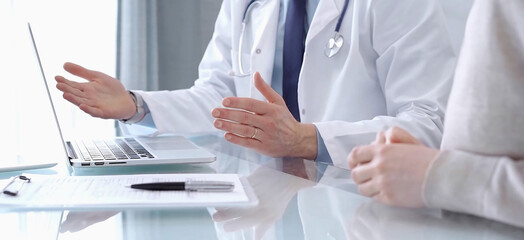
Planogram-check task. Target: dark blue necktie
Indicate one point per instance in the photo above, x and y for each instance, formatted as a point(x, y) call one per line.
point(294, 42)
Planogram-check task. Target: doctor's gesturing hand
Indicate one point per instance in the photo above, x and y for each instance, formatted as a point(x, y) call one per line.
point(102, 96)
point(268, 127)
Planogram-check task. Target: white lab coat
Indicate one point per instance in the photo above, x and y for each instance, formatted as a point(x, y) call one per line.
point(395, 69)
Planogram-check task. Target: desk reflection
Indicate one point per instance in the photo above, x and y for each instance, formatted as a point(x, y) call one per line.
point(77, 221)
point(298, 199)
point(274, 190)
point(330, 213)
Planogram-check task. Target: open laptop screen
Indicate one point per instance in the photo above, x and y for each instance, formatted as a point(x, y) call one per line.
point(30, 135)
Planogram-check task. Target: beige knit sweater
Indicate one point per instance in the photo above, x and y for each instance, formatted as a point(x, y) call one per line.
point(481, 168)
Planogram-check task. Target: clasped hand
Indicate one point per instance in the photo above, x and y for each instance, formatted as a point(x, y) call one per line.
point(268, 127)
point(392, 169)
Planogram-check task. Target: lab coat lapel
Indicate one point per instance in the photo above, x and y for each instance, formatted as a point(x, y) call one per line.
point(326, 12)
point(265, 21)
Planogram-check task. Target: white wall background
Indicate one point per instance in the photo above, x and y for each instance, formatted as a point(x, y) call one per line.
point(82, 31)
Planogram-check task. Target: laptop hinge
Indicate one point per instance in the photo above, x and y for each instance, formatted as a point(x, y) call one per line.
point(71, 151)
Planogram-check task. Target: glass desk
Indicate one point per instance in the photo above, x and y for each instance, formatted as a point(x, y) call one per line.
point(298, 199)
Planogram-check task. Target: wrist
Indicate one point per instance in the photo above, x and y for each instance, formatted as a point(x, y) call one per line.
point(307, 144)
point(132, 106)
point(139, 111)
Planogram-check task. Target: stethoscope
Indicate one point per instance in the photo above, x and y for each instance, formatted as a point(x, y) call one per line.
point(337, 41)
point(333, 46)
point(241, 39)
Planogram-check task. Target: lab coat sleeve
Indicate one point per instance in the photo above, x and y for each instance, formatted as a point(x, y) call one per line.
point(415, 66)
point(486, 186)
point(189, 110)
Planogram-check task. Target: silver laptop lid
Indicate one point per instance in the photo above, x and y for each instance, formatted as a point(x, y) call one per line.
point(35, 49)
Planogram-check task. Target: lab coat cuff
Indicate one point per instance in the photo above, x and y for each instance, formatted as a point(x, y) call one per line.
point(340, 143)
point(458, 181)
point(150, 120)
point(322, 152)
point(140, 110)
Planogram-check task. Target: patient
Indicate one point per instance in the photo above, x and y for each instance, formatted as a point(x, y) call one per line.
point(480, 167)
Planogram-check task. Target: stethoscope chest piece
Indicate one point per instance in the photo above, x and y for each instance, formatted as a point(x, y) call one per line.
point(334, 45)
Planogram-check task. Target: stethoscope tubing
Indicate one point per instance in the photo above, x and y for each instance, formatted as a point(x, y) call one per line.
point(342, 14)
point(244, 20)
point(241, 39)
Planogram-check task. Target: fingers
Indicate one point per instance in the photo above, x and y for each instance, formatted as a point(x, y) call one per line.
point(266, 90)
point(380, 138)
point(362, 173)
point(248, 104)
point(238, 116)
point(243, 141)
point(63, 81)
point(85, 105)
point(369, 189)
point(65, 88)
point(239, 129)
point(399, 135)
point(80, 71)
point(359, 155)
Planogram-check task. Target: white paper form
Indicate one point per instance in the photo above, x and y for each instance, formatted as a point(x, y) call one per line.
point(88, 192)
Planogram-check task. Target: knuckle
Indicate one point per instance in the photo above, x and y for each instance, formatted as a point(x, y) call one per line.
point(382, 150)
point(381, 166)
point(394, 129)
point(354, 175)
point(270, 123)
point(245, 117)
point(355, 152)
point(244, 131)
point(250, 105)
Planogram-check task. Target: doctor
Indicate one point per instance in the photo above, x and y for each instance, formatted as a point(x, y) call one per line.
point(309, 79)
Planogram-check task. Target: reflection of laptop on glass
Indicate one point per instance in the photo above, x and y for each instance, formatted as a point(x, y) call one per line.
point(128, 150)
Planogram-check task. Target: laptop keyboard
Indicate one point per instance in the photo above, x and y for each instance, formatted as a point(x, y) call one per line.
point(117, 149)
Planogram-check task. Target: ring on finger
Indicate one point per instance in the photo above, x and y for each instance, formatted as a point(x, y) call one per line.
point(255, 134)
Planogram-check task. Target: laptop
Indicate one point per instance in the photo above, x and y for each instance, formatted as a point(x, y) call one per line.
point(126, 150)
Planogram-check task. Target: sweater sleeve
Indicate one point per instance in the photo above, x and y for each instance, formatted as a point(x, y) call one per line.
point(486, 186)
point(480, 170)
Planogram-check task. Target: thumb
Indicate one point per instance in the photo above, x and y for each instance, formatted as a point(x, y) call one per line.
point(267, 91)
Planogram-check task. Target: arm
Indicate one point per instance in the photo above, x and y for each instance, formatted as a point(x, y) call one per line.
point(406, 173)
point(486, 186)
point(481, 168)
point(415, 66)
point(170, 109)
point(182, 111)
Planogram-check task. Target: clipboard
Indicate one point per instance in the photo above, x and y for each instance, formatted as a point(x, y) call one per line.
point(39, 192)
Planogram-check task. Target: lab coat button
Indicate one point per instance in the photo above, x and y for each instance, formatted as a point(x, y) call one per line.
point(303, 111)
point(258, 51)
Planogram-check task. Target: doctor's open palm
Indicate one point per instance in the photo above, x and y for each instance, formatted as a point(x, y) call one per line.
point(101, 96)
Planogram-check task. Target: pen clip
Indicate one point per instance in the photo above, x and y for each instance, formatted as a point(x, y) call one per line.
point(12, 189)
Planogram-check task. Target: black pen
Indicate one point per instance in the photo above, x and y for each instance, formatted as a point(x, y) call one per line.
point(206, 186)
